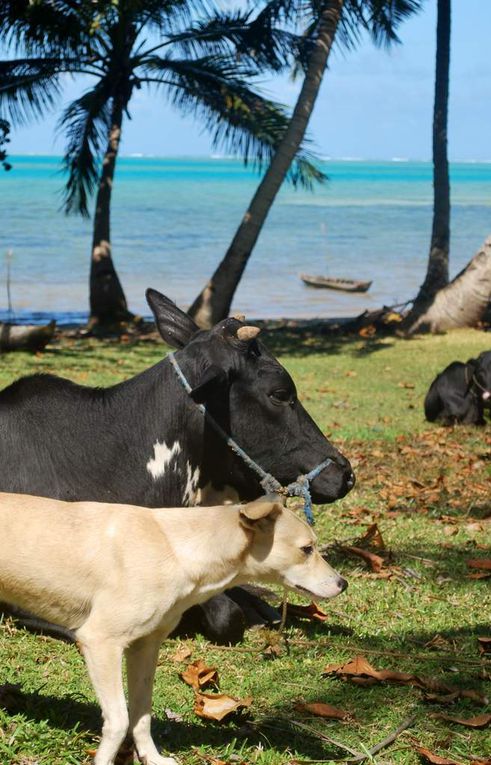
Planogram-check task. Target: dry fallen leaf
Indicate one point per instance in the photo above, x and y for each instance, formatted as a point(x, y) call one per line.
point(375, 561)
point(367, 331)
point(434, 759)
point(198, 675)
point(449, 698)
point(482, 563)
point(217, 706)
point(319, 709)
point(359, 668)
point(361, 672)
point(479, 721)
point(372, 538)
point(182, 654)
point(311, 612)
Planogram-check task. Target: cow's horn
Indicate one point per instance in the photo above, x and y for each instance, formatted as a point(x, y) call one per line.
point(247, 333)
point(239, 316)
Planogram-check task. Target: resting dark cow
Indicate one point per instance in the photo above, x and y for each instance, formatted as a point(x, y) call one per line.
point(145, 441)
point(461, 393)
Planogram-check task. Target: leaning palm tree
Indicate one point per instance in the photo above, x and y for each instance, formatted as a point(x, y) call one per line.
point(203, 67)
point(325, 21)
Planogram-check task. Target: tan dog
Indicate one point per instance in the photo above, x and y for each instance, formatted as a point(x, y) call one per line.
point(122, 576)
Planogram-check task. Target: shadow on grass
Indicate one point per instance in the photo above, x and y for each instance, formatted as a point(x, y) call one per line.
point(69, 713)
point(300, 343)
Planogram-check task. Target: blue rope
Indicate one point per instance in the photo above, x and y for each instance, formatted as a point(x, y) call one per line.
point(298, 488)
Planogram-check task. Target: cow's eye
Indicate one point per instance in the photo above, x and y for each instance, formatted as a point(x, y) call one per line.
point(308, 549)
point(281, 396)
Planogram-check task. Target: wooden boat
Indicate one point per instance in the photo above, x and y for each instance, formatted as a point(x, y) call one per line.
point(332, 283)
point(22, 337)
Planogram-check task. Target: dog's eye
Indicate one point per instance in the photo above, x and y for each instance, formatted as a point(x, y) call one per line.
point(281, 396)
point(308, 549)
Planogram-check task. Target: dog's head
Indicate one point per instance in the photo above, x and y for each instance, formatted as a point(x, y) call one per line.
point(283, 549)
point(482, 377)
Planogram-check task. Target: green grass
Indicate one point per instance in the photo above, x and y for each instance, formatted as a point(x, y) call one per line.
point(428, 490)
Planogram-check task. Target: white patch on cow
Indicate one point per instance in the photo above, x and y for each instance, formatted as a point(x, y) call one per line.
point(208, 496)
point(162, 457)
point(192, 478)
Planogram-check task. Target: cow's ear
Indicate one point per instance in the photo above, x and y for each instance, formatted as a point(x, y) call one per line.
point(260, 513)
point(210, 378)
point(175, 326)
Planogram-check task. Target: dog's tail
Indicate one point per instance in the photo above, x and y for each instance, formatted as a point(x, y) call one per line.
point(433, 403)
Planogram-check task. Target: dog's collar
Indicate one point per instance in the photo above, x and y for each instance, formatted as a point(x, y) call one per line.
point(298, 488)
point(478, 385)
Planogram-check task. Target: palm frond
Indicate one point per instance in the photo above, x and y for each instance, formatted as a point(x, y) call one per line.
point(258, 43)
point(29, 87)
point(54, 25)
point(214, 91)
point(87, 123)
point(383, 17)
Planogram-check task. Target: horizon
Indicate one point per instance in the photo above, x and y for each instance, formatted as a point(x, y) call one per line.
point(231, 157)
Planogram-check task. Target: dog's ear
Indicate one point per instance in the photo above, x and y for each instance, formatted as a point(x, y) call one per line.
point(260, 512)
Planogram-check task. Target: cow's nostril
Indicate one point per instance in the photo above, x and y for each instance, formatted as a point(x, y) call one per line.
point(342, 583)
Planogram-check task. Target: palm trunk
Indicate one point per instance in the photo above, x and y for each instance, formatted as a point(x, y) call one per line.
point(465, 301)
point(437, 271)
point(213, 303)
point(107, 300)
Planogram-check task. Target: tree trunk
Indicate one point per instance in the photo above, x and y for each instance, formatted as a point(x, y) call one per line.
point(465, 301)
point(437, 271)
point(213, 303)
point(107, 300)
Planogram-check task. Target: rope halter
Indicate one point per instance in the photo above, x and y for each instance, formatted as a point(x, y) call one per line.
point(298, 488)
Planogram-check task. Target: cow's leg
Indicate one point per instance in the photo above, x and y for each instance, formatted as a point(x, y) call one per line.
point(141, 661)
point(103, 659)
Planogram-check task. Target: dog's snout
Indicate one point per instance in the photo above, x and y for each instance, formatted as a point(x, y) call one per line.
point(351, 480)
point(342, 583)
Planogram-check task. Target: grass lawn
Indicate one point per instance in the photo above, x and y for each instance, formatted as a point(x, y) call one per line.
point(426, 488)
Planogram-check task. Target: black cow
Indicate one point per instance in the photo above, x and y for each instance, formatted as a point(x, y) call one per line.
point(144, 441)
point(461, 393)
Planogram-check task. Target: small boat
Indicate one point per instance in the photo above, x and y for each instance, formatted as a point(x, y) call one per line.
point(25, 337)
point(331, 283)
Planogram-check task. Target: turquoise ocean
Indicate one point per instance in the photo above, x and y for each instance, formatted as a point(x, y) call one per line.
point(174, 218)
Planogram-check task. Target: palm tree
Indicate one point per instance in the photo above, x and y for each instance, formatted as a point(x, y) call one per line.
point(195, 63)
point(437, 269)
point(326, 20)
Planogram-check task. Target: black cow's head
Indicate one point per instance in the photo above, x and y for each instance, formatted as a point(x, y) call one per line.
point(482, 378)
point(255, 400)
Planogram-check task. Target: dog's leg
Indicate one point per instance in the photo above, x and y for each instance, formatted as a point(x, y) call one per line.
point(141, 661)
point(104, 660)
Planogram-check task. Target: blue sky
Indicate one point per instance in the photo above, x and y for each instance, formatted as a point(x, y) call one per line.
point(373, 104)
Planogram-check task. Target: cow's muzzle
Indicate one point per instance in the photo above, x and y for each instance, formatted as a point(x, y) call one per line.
point(334, 482)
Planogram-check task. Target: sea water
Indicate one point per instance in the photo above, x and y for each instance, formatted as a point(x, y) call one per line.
point(172, 220)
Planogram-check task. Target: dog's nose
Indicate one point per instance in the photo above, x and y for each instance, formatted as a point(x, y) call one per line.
point(351, 480)
point(342, 583)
